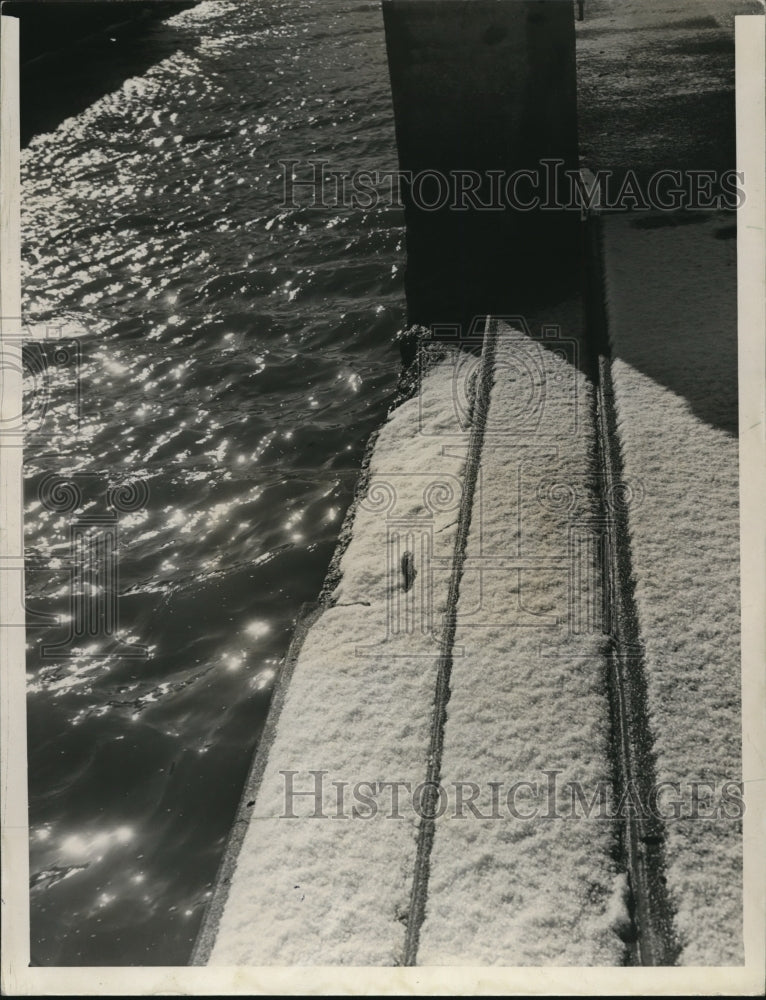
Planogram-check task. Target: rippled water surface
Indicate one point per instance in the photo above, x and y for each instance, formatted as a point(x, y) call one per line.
point(234, 355)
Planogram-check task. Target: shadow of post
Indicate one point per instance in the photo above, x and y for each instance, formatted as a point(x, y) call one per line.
point(484, 93)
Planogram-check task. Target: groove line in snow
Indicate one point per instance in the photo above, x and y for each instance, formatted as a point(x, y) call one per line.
point(426, 830)
point(642, 836)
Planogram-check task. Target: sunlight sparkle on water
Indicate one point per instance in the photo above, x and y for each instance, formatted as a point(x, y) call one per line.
point(263, 679)
point(257, 629)
point(80, 845)
point(234, 661)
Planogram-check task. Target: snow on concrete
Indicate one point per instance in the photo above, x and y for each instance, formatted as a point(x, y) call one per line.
point(320, 891)
point(656, 84)
point(671, 289)
point(528, 693)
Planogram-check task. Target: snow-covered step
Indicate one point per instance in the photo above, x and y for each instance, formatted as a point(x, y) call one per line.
point(523, 877)
point(318, 878)
point(671, 297)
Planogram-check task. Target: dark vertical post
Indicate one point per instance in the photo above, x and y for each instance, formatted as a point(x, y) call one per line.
point(484, 95)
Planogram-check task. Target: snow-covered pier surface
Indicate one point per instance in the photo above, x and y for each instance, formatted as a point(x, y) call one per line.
point(523, 870)
point(671, 291)
point(468, 640)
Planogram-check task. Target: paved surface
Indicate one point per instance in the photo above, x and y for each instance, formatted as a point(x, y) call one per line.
point(671, 298)
point(656, 91)
point(656, 84)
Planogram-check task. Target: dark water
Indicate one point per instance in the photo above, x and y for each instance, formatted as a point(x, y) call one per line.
point(234, 355)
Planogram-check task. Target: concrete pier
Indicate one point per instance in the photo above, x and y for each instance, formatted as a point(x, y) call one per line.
point(331, 865)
